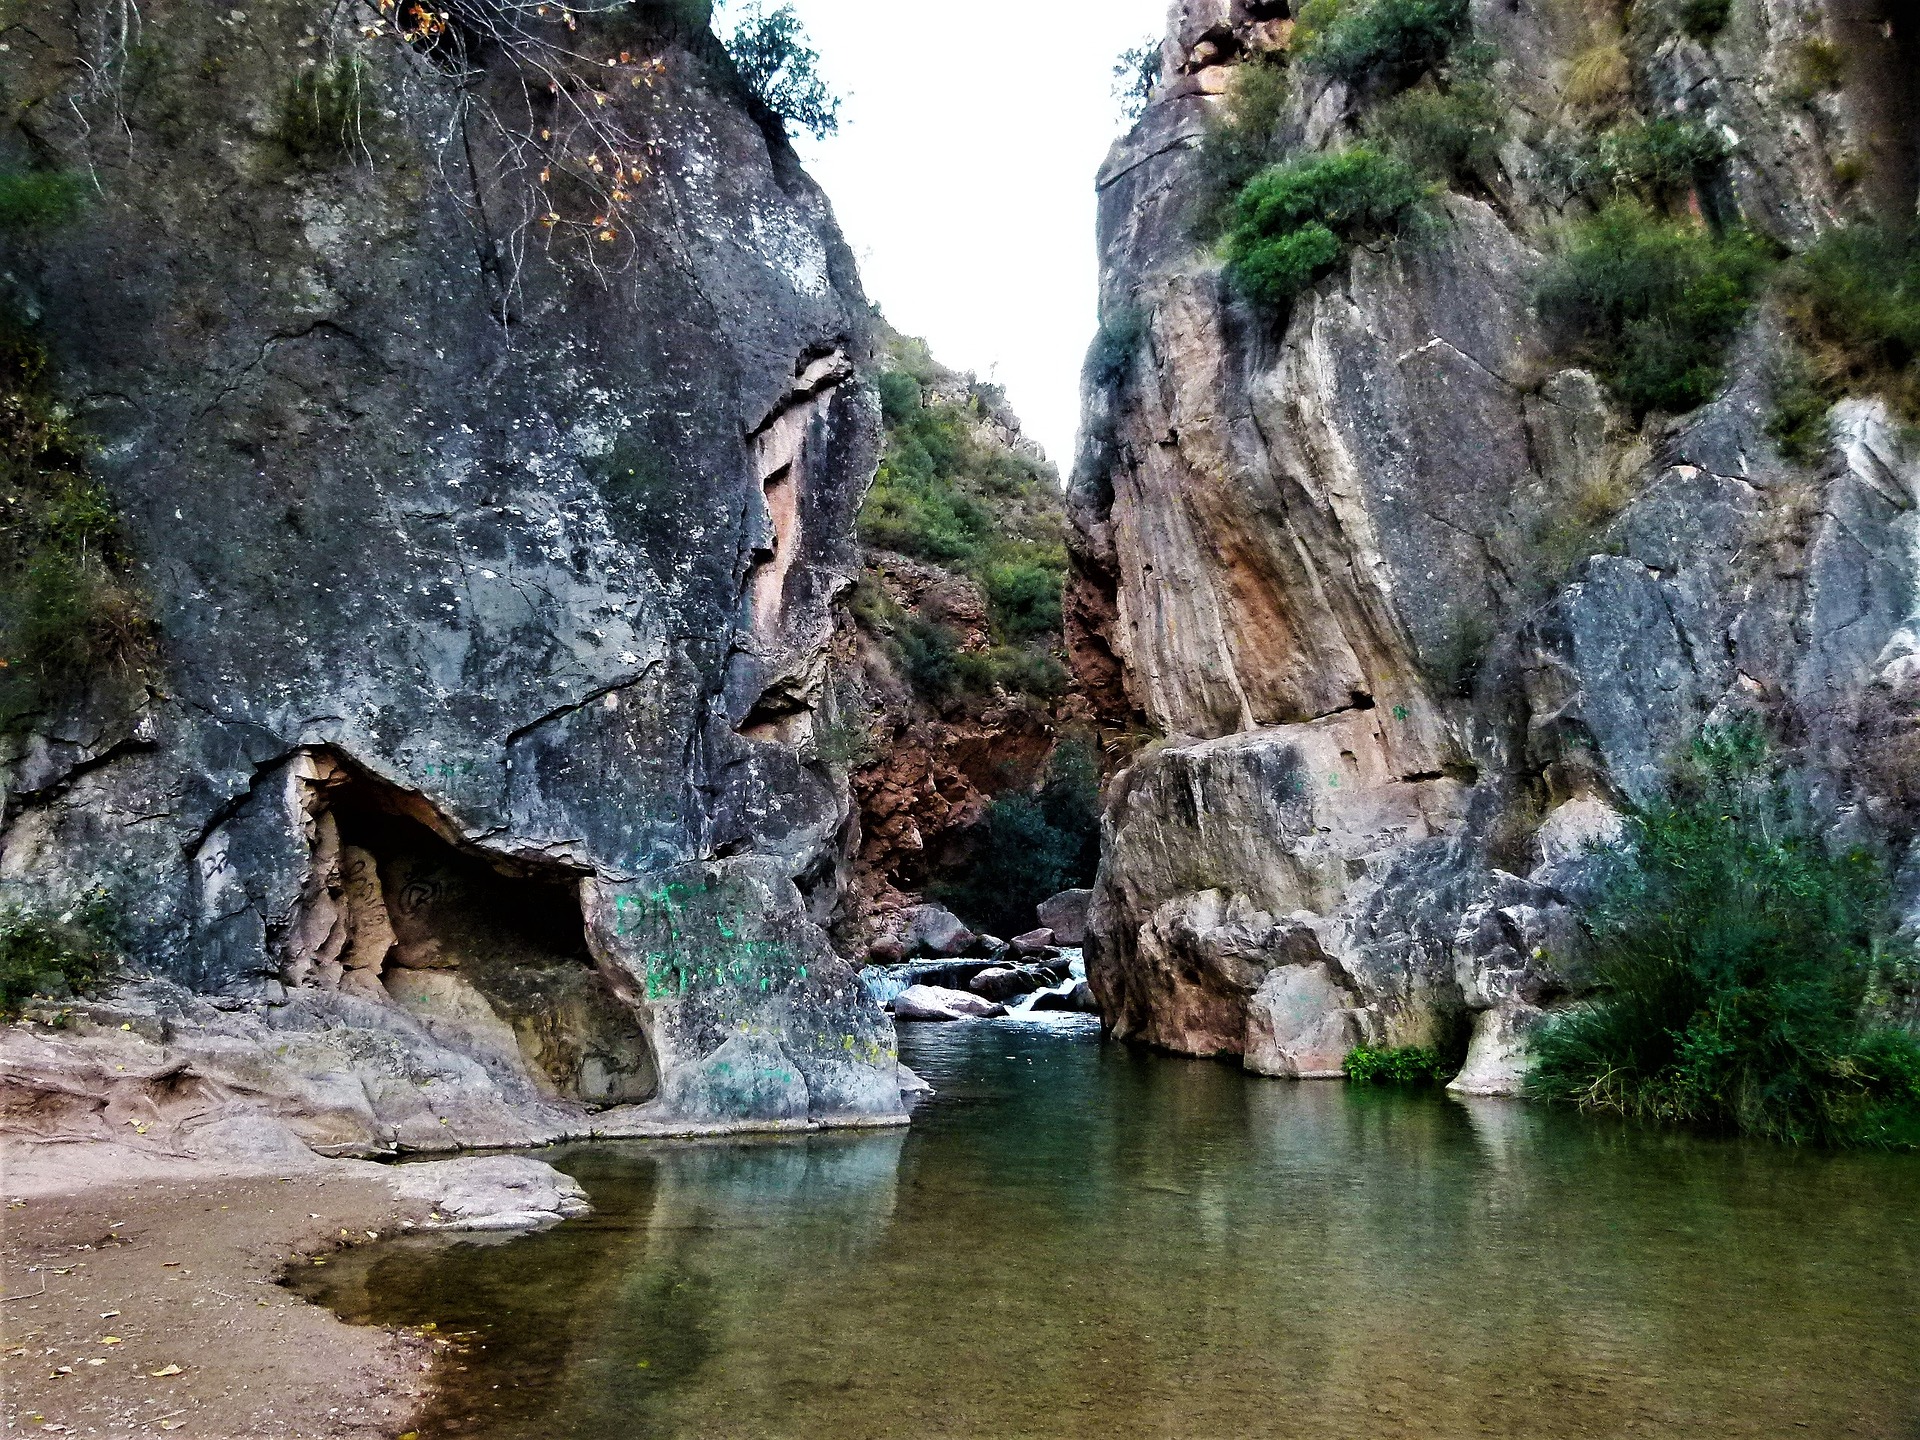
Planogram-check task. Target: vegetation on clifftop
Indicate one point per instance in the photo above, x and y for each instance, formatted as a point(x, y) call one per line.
point(1735, 957)
point(771, 51)
point(952, 493)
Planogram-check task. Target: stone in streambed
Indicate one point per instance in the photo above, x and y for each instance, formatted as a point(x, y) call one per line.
point(935, 930)
point(1079, 1000)
point(490, 1192)
point(1003, 983)
point(930, 1002)
point(1065, 915)
point(1034, 943)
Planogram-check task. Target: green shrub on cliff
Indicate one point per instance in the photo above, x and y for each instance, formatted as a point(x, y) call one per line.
point(1651, 304)
point(1450, 136)
point(1661, 161)
point(55, 955)
point(1293, 222)
point(1733, 956)
point(1855, 296)
point(1352, 39)
point(1240, 141)
point(1797, 420)
point(1024, 596)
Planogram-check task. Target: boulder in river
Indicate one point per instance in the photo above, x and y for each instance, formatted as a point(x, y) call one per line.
point(1065, 915)
point(1004, 982)
point(931, 1002)
point(1079, 999)
point(1034, 943)
point(937, 931)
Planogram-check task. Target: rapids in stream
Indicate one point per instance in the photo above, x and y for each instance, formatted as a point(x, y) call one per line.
point(1076, 1239)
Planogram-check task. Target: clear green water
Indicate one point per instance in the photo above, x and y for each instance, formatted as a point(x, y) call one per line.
point(1079, 1240)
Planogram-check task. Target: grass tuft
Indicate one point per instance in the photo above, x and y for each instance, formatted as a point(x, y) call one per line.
point(1410, 1065)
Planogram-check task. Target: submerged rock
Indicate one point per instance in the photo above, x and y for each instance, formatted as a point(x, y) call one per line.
point(490, 1192)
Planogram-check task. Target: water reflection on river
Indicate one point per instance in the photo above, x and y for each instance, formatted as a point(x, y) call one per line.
point(1079, 1240)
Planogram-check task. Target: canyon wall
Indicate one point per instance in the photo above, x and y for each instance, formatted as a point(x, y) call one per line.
point(1415, 604)
point(482, 396)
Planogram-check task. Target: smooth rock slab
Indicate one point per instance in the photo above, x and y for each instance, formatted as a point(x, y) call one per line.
point(930, 1002)
point(491, 1192)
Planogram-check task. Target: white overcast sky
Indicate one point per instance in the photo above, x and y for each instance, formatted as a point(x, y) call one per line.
point(963, 176)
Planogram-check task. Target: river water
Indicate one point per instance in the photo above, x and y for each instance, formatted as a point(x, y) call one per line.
point(1079, 1240)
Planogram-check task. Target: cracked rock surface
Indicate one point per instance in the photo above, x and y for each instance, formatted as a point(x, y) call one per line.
point(492, 564)
point(1415, 606)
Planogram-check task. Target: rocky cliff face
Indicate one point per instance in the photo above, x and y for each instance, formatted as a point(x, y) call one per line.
point(481, 396)
point(1416, 603)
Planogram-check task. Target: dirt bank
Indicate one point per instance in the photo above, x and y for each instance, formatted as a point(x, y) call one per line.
point(141, 1298)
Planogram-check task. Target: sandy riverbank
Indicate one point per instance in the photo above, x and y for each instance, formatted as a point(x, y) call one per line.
point(111, 1285)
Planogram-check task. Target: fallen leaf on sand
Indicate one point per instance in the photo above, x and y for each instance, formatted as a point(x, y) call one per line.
point(110, 1340)
point(164, 1371)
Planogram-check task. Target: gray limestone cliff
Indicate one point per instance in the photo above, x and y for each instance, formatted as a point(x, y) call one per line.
point(482, 399)
point(1416, 606)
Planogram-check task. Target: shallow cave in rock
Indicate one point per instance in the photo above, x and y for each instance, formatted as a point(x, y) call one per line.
point(490, 955)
